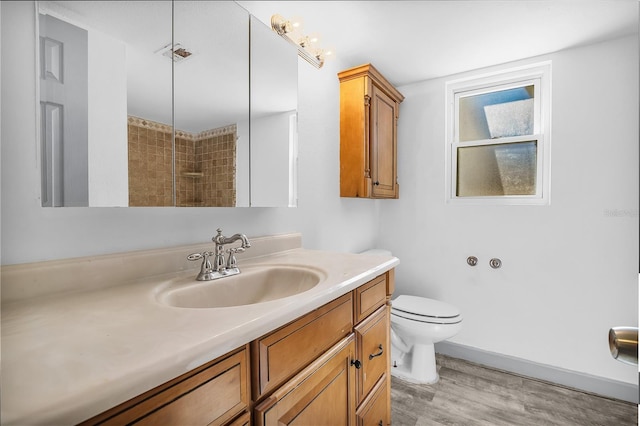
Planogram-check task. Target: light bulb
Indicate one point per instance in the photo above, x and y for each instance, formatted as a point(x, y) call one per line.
point(329, 53)
point(314, 38)
point(296, 23)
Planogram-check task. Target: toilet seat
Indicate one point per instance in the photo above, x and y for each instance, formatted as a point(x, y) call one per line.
point(425, 310)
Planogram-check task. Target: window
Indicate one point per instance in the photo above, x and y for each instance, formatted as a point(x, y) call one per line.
point(498, 137)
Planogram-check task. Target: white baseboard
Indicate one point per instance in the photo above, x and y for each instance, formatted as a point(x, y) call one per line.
point(581, 381)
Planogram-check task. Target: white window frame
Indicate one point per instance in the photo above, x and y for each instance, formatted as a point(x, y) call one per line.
point(538, 75)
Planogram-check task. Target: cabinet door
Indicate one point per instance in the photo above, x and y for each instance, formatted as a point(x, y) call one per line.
point(375, 410)
point(383, 144)
point(372, 351)
point(323, 394)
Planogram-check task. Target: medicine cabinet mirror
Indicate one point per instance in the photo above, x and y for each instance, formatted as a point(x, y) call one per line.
point(148, 104)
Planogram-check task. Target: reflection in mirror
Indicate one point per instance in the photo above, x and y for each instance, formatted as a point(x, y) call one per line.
point(120, 76)
point(211, 95)
point(274, 101)
point(159, 115)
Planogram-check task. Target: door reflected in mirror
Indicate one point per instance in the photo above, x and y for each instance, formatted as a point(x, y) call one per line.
point(131, 116)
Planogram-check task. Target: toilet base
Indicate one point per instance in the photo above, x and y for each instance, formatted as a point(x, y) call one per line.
point(418, 366)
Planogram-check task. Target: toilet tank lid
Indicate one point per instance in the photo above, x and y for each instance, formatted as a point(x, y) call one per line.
point(423, 306)
point(378, 252)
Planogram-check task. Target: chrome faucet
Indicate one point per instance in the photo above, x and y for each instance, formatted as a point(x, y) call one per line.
point(220, 268)
point(220, 241)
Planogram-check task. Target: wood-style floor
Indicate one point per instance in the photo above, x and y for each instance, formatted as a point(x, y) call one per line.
point(470, 394)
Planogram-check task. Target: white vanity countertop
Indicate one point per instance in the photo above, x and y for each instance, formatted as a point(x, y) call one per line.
point(68, 357)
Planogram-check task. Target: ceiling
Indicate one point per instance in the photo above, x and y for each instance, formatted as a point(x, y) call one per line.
point(410, 41)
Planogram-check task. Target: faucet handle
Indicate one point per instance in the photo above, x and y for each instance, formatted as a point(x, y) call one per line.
point(205, 268)
point(232, 262)
point(197, 256)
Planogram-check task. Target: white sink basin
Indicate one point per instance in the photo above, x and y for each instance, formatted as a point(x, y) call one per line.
point(252, 285)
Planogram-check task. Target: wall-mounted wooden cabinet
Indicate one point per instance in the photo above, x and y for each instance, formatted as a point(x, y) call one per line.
point(369, 108)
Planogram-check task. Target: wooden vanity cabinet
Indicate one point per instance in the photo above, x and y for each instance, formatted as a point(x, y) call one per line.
point(328, 367)
point(369, 109)
point(345, 383)
point(218, 393)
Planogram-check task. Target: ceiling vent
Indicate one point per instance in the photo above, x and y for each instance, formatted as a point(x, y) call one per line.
point(178, 53)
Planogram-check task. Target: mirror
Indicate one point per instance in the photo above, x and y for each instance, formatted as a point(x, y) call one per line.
point(274, 102)
point(211, 100)
point(162, 118)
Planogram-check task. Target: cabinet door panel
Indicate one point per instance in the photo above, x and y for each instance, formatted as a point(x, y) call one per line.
point(281, 354)
point(383, 144)
point(243, 420)
point(321, 394)
point(354, 139)
point(372, 350)
point(370, 296)
point(375, 410)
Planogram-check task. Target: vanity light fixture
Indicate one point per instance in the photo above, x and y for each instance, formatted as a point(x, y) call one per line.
point(291, 30)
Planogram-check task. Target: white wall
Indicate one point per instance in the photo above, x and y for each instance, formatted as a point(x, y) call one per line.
point(31, 232)
point(570, 270)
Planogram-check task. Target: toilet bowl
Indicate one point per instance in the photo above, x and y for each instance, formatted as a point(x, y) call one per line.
point(416, 324)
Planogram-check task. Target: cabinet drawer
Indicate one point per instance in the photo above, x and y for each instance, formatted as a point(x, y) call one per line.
point(321, 394)
point(370, 296)
point(279, 355)
point(375, 409)
point(212, 395)
point(243, 420)
point(372, 336)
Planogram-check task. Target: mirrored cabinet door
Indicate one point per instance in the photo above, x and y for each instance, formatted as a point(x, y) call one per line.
point(274, 103)
point(211, 95)
point(159, 103)
point(105, 101)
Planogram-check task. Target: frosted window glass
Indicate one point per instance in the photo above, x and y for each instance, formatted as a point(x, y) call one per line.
point(496, 114)
point(492, 170)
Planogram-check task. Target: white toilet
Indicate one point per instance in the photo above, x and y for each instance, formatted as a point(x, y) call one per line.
point(416, 324)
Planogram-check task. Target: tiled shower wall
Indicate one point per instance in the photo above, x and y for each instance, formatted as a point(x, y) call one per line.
point(205, 166)
point(150, 176)
point(216, 157)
